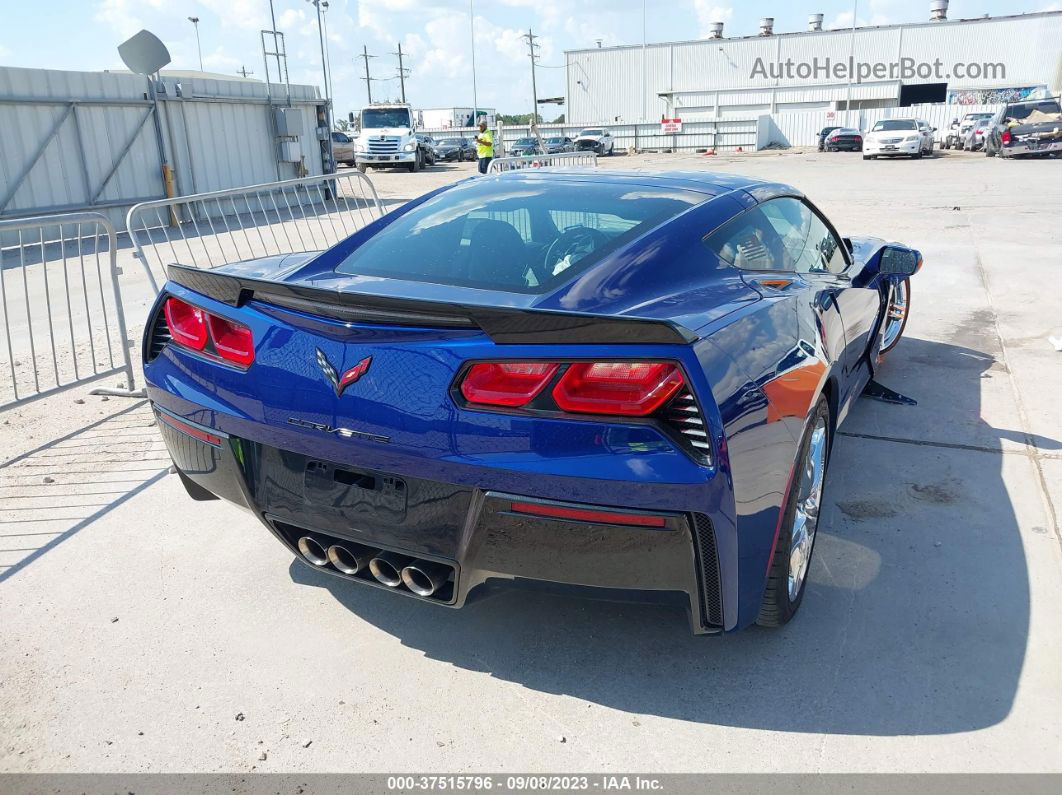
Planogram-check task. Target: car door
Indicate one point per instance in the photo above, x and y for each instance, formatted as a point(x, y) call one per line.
point(826, 264)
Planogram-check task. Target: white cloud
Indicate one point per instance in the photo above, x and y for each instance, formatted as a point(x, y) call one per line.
point(4, 52)
point(708, 13)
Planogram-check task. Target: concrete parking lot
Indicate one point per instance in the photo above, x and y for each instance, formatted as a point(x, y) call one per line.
point(146, 632)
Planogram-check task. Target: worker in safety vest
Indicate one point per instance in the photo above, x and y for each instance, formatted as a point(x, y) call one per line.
point(484, 146)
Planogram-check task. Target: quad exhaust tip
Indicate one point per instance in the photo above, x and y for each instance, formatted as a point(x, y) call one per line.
point(424, 578)
point(313, 551)
point(387, 568)
point(350, 558)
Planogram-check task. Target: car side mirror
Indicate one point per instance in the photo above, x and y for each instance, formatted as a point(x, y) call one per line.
point(899, 262)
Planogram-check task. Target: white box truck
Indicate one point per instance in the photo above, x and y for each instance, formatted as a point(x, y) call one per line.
point(386, 138)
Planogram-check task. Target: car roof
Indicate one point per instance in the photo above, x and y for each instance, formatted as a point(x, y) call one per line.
point(710, 183)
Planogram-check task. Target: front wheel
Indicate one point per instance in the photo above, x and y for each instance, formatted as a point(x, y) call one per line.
point(896, 315)
point(787, 576)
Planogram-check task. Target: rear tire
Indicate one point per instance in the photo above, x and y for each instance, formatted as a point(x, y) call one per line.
point(788, 575)
point(362, 168)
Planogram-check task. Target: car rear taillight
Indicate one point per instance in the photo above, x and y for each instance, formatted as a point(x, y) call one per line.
point(198, 330)
point(512, 384)
point(627, 389)
point(233, 342)
point(1005, 137)
point(550, 511)
point(187, 324)
point(630, 389)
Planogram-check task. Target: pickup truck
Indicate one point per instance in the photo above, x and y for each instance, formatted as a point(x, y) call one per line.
point(1031, 128)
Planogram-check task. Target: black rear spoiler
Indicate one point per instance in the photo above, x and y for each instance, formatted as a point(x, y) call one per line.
point(505, 325)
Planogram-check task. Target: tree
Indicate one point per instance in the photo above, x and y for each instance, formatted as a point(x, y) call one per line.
point(343, 124)
point(559, 119)
point(519, 118)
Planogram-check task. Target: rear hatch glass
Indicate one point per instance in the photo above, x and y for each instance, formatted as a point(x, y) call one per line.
point(514, 235)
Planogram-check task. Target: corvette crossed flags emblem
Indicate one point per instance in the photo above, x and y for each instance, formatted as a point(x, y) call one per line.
point(341, 382)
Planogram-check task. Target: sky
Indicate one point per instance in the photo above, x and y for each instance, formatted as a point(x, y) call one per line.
point(435, 35)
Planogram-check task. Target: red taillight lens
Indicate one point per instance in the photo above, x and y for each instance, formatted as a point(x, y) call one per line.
point(233, 342)
point(187, 324)
point(631, 389)
point(510, 384)
point(1005, 136)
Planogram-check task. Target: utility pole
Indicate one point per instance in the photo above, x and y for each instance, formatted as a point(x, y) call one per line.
point(531, 47)
point(367, 78)
point(402, 72)
point(243, 71)
point(851, 58)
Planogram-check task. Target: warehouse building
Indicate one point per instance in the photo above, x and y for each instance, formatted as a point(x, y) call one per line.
point(963, 61)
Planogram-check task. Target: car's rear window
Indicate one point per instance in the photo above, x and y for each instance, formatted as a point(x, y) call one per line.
point(517, 235)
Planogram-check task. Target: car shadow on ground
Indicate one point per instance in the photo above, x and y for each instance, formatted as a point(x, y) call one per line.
point(915, 622)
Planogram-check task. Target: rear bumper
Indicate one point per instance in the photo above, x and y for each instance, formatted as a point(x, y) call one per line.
point(1032, 148)
point(470, 527)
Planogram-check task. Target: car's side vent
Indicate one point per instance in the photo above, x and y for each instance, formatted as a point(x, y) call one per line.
point(711, 594)
point(683, 415)
point(159, 338)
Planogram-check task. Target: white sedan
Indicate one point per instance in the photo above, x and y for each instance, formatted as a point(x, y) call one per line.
point(892, 137)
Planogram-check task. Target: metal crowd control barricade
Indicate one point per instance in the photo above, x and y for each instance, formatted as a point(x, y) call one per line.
point(500, 164)
point(208, 230)
point(63, 320)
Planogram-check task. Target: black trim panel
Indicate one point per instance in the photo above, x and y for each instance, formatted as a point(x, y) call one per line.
point(502, 325)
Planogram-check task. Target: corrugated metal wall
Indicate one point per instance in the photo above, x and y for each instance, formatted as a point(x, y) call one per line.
point(607, 84)
point(718, 134)
point(100, 149)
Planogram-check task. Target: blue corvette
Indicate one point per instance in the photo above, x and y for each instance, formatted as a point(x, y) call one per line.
point(629, 383)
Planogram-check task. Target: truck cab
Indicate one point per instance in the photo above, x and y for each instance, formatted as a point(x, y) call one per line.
point(386, 138)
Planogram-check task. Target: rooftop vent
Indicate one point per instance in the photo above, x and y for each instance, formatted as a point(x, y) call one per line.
point(815, 22)
point(767, 26)
point(938, 10)
point(715, 30)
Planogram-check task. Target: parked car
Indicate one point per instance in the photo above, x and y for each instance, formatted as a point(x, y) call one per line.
point(343, 148)
point(975, 135)
point(469, 392)
point(822, 136)
point(1032, 128)
point(892, 137)
point(427, 148)
point(559, 144)
point(455, 149)
point(522, 147)
point(595, 139)
point(845, 138)
point(960, 129)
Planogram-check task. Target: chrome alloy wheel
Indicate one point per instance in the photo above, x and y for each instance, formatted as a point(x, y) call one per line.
point(894, 316)
point(806, 516)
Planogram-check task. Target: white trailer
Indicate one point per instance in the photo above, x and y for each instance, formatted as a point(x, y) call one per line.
point(448, 118)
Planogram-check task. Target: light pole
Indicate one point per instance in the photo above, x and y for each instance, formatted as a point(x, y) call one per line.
point(327, 55)
point(324, 73)
point(645, 68)
point(195, 24)
point(472, 30)
point(851, 59)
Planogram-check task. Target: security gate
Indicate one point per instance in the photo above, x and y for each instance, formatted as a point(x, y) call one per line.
point(500, 164)
point(208, 230)
point(63, 322)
